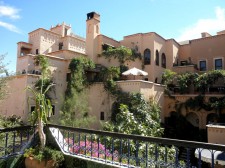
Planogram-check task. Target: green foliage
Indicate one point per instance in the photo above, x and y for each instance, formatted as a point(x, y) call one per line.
point(3, 78)
point(13, 162)
point(74, 111)
point(201, 82)
point(43, 84)
point(168, 77)
point(10, 121)
point(43, 106)
point(112, 73)
point(43, 62)
point(78, 80)
point(45, 154)
point(121, 53)
point(198, 103)
point(123, 68)
point(185, 80)
point(207, 79)
point(133, 115)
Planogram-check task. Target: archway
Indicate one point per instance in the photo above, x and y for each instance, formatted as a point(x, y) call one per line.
point(193, 119)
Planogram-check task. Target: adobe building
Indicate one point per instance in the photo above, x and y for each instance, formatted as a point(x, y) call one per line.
point(60, 45)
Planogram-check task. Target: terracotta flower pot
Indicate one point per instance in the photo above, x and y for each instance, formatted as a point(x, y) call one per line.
point(31, 162)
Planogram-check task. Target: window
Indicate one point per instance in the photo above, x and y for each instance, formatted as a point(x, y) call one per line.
point(202, 65)
point(32, 108)
point(183, 63)
point(105, 47)
point(157, 57)
point(60, 46)
point(163, 60)
point(53, 110)
point(147, 57)
point(68, 77)
point(65, 32)
point(37, 52)
point(218, 64)
point(102, 116)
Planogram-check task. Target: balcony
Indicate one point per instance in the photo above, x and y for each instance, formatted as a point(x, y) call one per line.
point(115, 149)
point(213, 90)
point(185, 68)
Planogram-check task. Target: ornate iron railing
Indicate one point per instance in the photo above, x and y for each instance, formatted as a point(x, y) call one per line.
point(118, 150)
point(121, 150)
point(13, 140)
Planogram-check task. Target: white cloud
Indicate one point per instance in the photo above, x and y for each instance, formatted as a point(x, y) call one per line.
point(204, 25)
point(9, 11)
point(9, 27)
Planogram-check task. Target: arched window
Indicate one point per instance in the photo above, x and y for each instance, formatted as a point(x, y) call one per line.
point(147, 57)
point(157, 57)
point(102, 116)
point(163, 60)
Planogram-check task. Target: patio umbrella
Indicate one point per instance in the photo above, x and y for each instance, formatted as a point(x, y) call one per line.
point(135, 72)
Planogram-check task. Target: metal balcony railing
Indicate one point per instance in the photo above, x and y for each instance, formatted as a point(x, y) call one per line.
point(13, 140)
point(118, 150)
point(122, 150)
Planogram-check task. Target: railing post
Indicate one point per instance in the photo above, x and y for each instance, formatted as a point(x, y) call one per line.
point(146, 154)
point(73, 141)
point(98, 147)
point(128, 152)
point(6, 143)
point(85, 145)
point(188, 158)
point(212, 159)
point(79, 143)
point(199, 159)
point(14, 139)
point(112, 149)
point(136, 157)
point(121, 151)
point(166, 154)
point(91, 145)
point(176, 157)
point(105, 147)
point(68, 143)
point(156, 155)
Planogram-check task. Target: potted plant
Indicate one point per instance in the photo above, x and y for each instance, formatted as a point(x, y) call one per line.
point(43, 158)
point(43, 108)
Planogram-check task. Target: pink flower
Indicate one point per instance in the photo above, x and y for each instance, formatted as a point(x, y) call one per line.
point(92, 149)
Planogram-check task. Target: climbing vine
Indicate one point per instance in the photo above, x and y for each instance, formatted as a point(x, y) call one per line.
point(130, 109)
point(185, 80)
point(74, 111)
point(207, 79)
point(121, 53)
point(78, 79)
point(201, 83)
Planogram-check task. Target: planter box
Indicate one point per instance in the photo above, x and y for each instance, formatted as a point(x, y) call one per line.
point(30, 162)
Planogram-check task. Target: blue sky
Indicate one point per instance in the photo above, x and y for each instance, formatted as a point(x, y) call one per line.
point(178, 19)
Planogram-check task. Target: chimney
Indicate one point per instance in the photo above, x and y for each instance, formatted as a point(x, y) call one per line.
point(205, 34)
